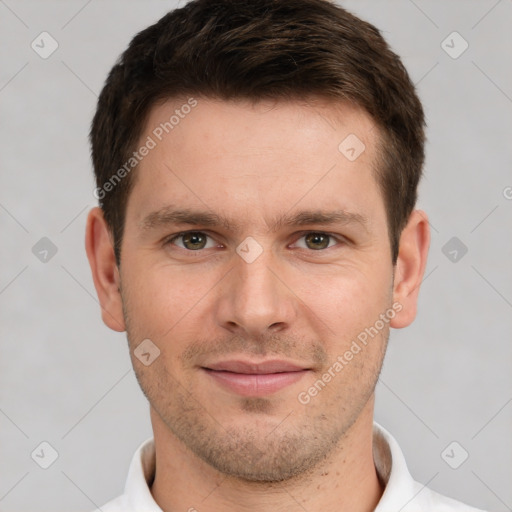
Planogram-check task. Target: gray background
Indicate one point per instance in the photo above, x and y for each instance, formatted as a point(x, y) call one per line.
point(66, 379)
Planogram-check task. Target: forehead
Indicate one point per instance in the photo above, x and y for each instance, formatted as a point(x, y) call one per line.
point(258, 124)
point(255, 158)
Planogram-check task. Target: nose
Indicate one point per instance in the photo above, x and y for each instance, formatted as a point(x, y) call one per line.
point(255, 299)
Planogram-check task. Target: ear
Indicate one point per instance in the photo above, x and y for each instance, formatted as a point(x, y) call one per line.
point(100, 253)
point(410, 267)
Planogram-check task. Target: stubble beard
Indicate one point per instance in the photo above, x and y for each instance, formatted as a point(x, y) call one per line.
point(264, 449)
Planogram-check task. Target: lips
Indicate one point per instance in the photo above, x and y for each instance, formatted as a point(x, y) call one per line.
point(266, 367)
point(255, 379)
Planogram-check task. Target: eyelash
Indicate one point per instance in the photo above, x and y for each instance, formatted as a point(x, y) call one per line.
point(338, 239)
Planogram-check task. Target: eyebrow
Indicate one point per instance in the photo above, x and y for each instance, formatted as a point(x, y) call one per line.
point(169, 215)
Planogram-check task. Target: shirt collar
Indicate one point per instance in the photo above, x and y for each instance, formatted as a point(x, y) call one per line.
point(400, 488)
point(140, 477)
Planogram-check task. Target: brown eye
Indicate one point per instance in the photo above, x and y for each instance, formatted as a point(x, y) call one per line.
point(193, 240)
point(317, 241)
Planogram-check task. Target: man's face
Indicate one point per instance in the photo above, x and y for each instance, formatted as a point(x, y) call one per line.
point(285, 260)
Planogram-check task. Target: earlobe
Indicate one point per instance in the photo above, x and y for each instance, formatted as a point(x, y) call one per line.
point(100, 253)
point(410, 267)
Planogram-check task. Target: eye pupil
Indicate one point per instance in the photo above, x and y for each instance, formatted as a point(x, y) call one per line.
point(317, 241)
point(194, 240)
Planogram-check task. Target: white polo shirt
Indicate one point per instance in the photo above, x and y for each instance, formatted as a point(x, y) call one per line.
point(401, 494)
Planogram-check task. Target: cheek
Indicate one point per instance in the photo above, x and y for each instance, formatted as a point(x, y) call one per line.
point(346, 300)
point(165, 300)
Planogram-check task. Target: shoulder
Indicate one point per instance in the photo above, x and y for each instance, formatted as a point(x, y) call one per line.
point(401, 491)
point(432, 500)
point(119, 504)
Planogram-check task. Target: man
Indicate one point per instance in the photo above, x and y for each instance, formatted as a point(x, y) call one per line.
point(257, 166)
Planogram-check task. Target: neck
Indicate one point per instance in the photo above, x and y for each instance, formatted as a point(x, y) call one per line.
point(346, 481)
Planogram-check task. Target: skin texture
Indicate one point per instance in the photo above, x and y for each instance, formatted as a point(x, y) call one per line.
point(299, 301)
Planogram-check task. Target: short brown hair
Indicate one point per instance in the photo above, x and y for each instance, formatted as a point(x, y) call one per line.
point(256, 50)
